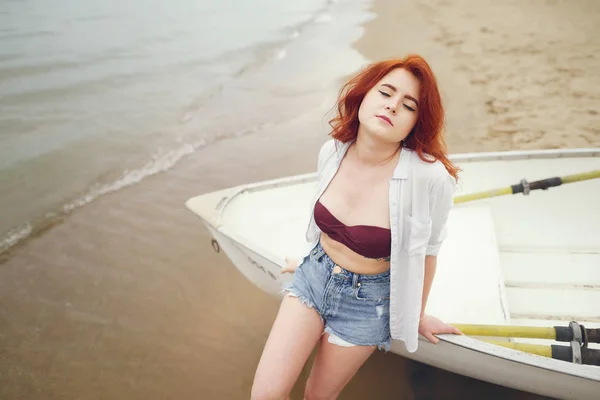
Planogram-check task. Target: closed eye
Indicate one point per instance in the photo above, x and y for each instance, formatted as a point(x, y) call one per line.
point(405, 106)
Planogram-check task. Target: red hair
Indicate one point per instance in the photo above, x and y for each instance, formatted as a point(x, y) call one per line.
point(426, 137)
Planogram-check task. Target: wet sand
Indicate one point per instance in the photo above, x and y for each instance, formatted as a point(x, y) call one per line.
point(126, 298)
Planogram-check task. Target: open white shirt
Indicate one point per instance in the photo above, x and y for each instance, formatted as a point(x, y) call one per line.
point(420, 199)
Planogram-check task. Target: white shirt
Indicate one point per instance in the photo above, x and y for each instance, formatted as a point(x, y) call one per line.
point(420, 199)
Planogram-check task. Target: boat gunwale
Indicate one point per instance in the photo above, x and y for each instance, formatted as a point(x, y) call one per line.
point(459, 157)
point(525, 154)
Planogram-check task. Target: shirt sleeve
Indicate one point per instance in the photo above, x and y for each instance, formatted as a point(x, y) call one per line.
point(440, 205)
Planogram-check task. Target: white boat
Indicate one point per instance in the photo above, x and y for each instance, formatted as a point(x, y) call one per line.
point(508, 260)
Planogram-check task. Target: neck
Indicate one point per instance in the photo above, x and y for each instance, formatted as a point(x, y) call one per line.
point(372, 153)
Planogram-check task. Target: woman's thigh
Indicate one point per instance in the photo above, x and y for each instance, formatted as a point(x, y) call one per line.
point(333, 368)
point(295, 332)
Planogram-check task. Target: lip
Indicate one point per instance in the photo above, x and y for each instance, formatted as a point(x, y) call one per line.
point(386, 119)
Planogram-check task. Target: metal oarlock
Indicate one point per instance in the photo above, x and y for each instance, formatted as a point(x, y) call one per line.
point(526, 188)
point(576, 351)
point(576, 329)
point(577, 341)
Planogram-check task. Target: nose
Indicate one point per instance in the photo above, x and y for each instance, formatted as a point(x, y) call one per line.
point(392, 108)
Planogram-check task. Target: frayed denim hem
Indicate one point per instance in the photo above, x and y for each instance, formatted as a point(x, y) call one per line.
point(289, 289)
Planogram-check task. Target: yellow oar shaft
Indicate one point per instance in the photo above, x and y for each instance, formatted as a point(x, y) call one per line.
point(564, 353)
point(508, 331)
point(520, 188)
point(482, 195)
point(540, 350)
point(581, 177)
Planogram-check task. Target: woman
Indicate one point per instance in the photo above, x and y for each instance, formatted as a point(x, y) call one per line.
point(378, 220)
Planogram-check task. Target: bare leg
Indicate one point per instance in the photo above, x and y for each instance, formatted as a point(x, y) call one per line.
point(333, 368)
point(295, 333)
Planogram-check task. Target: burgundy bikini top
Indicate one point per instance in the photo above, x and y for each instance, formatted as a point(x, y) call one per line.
point(368, 241)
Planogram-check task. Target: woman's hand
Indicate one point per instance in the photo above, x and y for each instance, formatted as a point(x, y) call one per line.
point(430, 326)
point(291, 264)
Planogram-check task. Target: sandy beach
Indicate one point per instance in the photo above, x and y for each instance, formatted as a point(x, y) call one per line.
point(126, 298)
point(516, 75)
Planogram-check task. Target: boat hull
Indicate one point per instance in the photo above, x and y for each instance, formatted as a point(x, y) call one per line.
point(509, 235)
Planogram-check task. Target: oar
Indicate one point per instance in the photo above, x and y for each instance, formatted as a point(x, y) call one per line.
point(582, 355)
point(558, 333)
point(525, 187)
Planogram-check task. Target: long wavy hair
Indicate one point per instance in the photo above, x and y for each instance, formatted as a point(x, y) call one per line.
point(426, 138)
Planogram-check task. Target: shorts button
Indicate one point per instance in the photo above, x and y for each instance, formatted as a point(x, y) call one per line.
point(337, 269)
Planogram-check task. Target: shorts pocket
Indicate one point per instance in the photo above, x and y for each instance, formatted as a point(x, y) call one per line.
point(415, 236)
point(373, 291)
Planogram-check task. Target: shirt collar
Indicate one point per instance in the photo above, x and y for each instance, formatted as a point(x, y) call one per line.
point(401, 171)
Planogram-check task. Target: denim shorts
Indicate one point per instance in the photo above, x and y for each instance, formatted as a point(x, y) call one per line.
point(354, 308)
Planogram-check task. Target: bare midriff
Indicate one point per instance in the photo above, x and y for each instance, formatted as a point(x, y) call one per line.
point(350, 260)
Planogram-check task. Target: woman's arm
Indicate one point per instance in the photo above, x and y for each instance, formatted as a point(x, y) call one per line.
point(430, 266)
point(440, 206)
point(429, 325)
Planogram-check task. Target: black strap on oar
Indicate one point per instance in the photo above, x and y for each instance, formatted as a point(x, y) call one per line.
point(578, 352)
point(525, 187)
point(570, 333)
point(575, 354)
